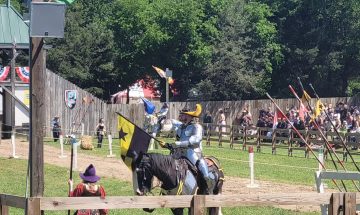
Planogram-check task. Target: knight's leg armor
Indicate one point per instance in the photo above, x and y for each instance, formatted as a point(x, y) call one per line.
point(208, 176)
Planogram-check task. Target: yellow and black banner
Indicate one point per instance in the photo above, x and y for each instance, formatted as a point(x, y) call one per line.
point(132, 139)
point(305, 97)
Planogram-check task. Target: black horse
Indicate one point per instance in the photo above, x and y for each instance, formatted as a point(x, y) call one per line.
point(178, 177)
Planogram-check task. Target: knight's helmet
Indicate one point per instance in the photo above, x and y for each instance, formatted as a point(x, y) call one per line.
point(195, 113)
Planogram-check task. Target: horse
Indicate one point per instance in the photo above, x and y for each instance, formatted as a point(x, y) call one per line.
point(178, 177)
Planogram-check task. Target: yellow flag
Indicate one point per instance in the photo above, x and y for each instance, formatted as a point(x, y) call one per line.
point(160, 71)
point(318, 108)
point(132, 140)
point(305, 97)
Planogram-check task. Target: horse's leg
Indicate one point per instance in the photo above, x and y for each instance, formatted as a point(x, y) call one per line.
point(217, 191)
point(177, 211)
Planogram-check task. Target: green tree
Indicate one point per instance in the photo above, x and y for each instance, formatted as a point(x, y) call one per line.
point(86, 54)
point(245, 56)
point(174, 34)
point(322, 46)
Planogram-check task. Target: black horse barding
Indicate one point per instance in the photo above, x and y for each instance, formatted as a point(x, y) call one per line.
point(178, 177)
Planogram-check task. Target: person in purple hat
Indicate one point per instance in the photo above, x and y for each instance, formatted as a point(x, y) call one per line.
point(88, 187)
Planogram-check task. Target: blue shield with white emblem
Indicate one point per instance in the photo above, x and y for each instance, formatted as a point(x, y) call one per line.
point(70, 98)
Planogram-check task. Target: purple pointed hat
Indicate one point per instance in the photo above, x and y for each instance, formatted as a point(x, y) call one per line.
point(90, 174)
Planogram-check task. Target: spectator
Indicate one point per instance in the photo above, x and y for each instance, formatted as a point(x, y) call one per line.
point(88, 188)
point(221, 121)
point(299, 124)
point(56, 128)
point(100, 132)
point(281, 124)
point(207, 120)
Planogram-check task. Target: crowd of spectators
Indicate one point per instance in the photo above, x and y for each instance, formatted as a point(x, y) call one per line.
point(345, 118)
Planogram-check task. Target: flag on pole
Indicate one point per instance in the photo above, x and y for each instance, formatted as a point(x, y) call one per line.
point(305, 97)
point(318, 108)
point(171, 80)
point(302, 111)
point(160, 71)
point(275, 120)
point(65, 1)
point(149, 107)
point(132, 139)
point(280, 115)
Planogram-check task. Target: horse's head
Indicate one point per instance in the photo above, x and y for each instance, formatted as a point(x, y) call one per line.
point(143, 174)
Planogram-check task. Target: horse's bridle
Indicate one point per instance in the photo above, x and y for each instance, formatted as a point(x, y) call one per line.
point(143, 167)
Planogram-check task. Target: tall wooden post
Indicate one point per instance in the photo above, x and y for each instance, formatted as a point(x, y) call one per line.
point(37, 108)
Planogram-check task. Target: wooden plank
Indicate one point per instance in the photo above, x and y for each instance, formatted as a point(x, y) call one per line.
point(64, 203)
point(267, 199)
point(349, 203)
point(12, 201)
point(4, 210)
point(334, 204)
point(199, 205)
point(33, 206)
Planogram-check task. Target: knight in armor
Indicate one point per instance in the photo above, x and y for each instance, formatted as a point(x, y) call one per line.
point(189, 144)
point(162, 114)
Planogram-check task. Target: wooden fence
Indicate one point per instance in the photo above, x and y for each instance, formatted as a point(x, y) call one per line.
point(338, 202)
point(90, 114)
point(278, 138)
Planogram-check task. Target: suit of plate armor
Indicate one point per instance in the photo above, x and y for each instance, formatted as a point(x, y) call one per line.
point(189, 145)
point(161, 115)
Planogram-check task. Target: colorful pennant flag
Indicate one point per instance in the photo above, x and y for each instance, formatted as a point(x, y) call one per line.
point(23, 73)
point(132, 139)
point(275, 120)
point(4, 72)
point(302, 111)
point(171, 80)
point(160, 71)
point(149, 107)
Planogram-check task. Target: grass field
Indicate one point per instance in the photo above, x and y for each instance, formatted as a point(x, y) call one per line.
point(13, 178)
point(278, 168)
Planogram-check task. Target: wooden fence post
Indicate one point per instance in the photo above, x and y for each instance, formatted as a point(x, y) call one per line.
point(345, 202)
point(220, 134)
point(4, 210)
point(198, 207)
point(33, 206)
point(232, 129)
point(208, 133)
point(349, 204)
point(334, 204)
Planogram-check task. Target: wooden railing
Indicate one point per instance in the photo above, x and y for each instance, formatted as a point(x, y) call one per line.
point(264, 136)
point(198, 203)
